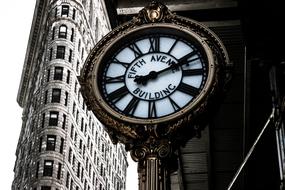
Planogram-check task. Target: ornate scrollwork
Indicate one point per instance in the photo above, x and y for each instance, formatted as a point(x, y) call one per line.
point(160, 148)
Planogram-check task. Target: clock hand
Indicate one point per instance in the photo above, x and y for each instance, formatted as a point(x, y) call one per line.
point(142, 79)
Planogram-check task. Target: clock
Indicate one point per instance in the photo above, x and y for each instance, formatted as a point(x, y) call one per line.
point(157, 70)
point(153, 74)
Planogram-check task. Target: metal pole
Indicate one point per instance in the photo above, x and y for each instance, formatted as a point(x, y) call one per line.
point(251, 149)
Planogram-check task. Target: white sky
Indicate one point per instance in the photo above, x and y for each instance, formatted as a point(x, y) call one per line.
point(15, 22)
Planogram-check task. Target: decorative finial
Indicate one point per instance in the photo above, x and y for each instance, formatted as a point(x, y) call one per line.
point(154, 12)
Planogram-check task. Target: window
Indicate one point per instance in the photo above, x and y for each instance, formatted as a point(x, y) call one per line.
point(78, 169)
point(45, 188)
point(82, 173)
point(80, 144)
point(50, 54)
point(93, 179)
point(75, 87)
point(37, 169)
point(73, 108)
point(58, 72)
point(79, 45)
point(73, 160)
point(82, 124)
point(55, 98)
point(70, 55)
point(64, 121)
point(67, 180)
point(68, 77)
point(48, 168)
point(75, 138)
point(46, 96)
point(82, 53)
point(48, 75)
point(53, 33)
point(71, 131)
point(40, 144)
point(51, 140)
point(64, 10)
point(60, 52)
point(66, 99)
point(72, 35)
point(101, 170)
point(77, 66)
point(43, 119)
point(69, 155)
point(62, 31)
point(55, 12)
point(59, 170)
point(61, 145)
point(74, 14)
point(53, 118)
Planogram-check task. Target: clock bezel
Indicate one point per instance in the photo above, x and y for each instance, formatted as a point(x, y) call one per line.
point(198, 42)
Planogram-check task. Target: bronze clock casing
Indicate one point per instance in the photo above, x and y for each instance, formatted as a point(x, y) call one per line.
point(125, 128)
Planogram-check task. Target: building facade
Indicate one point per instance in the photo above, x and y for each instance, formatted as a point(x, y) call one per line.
point(62, 145)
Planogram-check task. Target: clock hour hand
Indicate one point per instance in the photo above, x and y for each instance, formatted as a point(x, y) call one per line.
point(142, 79)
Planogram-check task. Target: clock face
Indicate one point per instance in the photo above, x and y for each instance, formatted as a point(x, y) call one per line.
point(153, 74)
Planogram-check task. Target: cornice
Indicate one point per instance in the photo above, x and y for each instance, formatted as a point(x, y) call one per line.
point(32, 51)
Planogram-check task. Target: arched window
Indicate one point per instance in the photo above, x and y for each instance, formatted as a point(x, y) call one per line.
point(62, 31)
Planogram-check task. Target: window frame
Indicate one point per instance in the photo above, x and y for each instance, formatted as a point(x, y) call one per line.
point(53, 118)
point(62, 31)
point(64, 10)
point(60, 52)
point(48, 168)
point(50, 145)
point(56, 95)
point(58, 73)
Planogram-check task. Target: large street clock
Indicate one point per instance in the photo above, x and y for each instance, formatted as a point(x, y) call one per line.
point(154, 74)
point(156, 71)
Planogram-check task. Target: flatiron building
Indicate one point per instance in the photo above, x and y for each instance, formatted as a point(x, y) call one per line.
point(62, 145)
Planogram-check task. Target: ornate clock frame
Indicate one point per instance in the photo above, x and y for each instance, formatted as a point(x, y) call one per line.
point(152, 144)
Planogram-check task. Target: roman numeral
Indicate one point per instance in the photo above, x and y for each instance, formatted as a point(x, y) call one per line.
point(132, 106)
point(115, 79)
point(118, 94)
point(185, 58)
point(173, 45)
point(151, 109)
point(126, 65)
point(188, 89)
point(135, 49)
point(174, 104)
point(192, 72)
point(154, 44)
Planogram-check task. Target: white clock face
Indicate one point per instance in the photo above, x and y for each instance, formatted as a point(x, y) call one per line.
point(153, 76)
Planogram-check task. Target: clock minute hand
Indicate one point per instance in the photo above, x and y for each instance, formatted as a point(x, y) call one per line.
point(184, 60)
point(142, 79)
